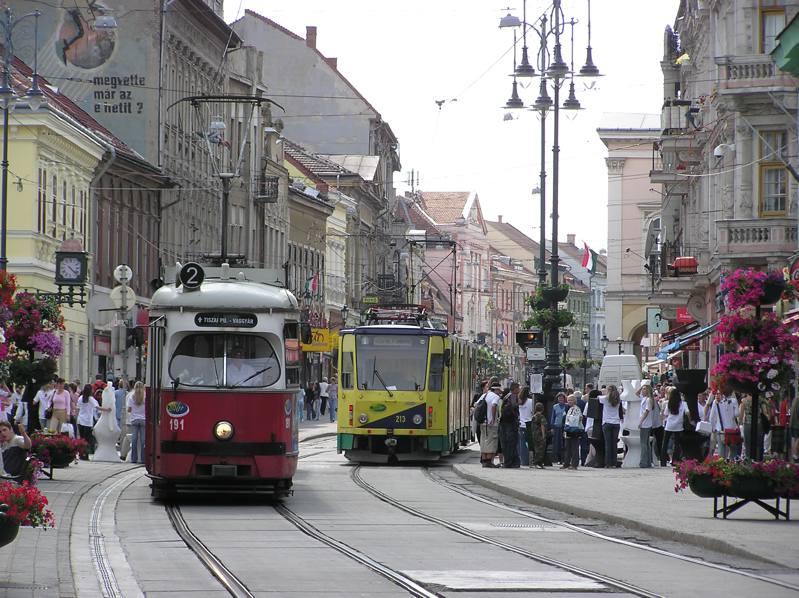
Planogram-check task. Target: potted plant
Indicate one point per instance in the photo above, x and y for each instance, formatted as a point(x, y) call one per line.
point(555, 294)
point(59, 450)
point(548, 318)
point(742, 479)
point(21, 505)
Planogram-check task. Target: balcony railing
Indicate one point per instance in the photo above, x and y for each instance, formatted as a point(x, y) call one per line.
point(761, 237)
point(746, 72)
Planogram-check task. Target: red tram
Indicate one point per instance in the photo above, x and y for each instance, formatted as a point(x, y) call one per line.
point(224, 369)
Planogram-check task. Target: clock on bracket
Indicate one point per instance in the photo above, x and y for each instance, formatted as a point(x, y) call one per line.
point(70, 267)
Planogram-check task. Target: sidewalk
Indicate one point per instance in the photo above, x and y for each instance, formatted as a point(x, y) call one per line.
point(644, 499)
point(309, 430)
point(38, 562)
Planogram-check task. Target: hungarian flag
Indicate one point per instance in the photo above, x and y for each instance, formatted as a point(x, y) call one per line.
point(590, 258)
point(312, 283)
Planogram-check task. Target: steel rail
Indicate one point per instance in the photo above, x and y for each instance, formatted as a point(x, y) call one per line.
point(403, 581)
point(225, 576)
point(464, 531)
point(570, 526)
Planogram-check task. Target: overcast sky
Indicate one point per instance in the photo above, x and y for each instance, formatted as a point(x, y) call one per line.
point(403, 56)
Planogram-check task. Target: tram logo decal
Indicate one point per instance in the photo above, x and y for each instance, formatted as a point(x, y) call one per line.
point(177, 409)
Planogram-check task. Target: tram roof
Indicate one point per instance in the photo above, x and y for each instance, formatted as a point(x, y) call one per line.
point(225, 295)
point(395, 329)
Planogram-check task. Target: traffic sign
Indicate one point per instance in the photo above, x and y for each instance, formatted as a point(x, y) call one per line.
point(123, 297)
point(123, 274)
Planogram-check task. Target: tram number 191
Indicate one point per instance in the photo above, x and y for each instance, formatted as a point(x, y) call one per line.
point(399, 419)
point(175, 424)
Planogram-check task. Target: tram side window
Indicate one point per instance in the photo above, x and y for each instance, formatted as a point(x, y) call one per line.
point(291, 331)
point(436, 372)
point(346, 370)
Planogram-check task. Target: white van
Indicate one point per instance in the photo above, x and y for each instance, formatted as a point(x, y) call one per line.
point(616, 368)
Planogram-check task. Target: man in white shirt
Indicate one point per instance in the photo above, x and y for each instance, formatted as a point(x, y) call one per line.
point(489, 431)
point(239, 371)
point(724, 415)
point(323, 394)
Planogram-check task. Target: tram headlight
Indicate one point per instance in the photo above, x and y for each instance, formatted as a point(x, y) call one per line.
point(223, 430)
point(417, 419)
point(363, 418)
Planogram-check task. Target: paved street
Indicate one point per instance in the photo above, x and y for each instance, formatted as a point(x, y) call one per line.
point(451, 529)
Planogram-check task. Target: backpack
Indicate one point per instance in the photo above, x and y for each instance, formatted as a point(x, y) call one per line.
point(481, 410)
point(507, 412)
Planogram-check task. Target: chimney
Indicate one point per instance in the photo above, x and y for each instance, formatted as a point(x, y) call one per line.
point(570, 239)
point(332, 62)
point(310, 36)
point(499, 218)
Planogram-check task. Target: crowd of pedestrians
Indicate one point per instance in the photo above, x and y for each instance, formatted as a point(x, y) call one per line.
point(583, 428)
point(73, 409)
point(317, 398)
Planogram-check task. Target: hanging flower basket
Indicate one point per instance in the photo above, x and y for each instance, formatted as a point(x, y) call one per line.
point(548, 318)
point(555, 294)
point(26, 506)
point(746, 286)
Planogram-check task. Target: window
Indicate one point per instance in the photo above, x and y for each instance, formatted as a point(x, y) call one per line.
point(391, 361)
point(772, 21)
point(346, 370)
point(773, 174)
point(436, 372)
point(220, 360)
point(291, 334)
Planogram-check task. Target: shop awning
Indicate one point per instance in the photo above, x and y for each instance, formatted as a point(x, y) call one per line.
point(686, 339)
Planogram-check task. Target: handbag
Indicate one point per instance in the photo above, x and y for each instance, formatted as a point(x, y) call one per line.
point(704, 428)
point(732, 436)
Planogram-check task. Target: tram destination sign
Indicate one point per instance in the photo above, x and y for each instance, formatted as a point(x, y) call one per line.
point(225, 320)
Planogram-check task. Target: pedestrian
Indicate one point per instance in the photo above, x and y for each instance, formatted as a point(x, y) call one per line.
point(87, 405)
point(525, 421)
point(573, 430)
point(657, 426)
point(60, 402)
point(317, 401)
point(538, 437)
point(647, 410)
point(332, 399)
point(595, 411)
point(612, 416)
point(509, 426)
point(724, 423)
point(120, 398)
point(19, 409)
point(675, 414)
point(556, 423)
point(580, 402)
point(745, 415)
point(74, 395)
point(323, 395)
point(5, 402)
point(489, 431)
point(301, 403)
point(136, 422)
point(477, 397)
point(11, 464)
point(309, 400)
point(41, 401)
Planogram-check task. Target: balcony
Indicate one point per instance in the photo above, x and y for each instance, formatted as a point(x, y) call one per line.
point(750, 79)
point(756, 239)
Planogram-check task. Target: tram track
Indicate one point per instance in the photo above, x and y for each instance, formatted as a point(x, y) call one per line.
point(464, 531)
point(600, 536)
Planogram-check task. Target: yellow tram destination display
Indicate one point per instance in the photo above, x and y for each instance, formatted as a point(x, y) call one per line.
point(404, 388)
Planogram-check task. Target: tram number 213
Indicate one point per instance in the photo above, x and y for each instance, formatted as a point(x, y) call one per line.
point(399, 419)
point(176, 424)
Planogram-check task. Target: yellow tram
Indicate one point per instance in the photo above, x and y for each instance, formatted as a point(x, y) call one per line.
point(404, 388)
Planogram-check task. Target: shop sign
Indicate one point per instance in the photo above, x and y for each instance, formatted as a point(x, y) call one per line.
point(683, 317)
point(102, 345)
point(320, 341)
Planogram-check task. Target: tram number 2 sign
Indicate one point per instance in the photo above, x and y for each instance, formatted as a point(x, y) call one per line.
point(191, 276)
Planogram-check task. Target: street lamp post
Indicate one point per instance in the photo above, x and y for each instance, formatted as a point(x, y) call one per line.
point(604, 340)
point(33, 97)
point(564, 337)
point(585, 340)
point(620, 342)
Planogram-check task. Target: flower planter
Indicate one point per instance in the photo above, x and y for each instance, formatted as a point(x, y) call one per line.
point(751, 488)
point(555, 293)
point(772, 291)
point(8, 530)
point(747, 387)
point(704, 487)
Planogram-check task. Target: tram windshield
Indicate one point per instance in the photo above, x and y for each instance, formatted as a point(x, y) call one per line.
point(222, 360)
point(391, 361)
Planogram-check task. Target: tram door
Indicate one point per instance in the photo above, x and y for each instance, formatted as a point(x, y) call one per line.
point(153, 405)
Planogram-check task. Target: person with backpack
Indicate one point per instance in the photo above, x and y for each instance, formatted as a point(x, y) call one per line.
point(573, 430)
point(486, 414)
point(509, 427)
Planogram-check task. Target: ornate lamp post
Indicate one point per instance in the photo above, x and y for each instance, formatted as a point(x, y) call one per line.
point(586, 339)
point(604, 340)
point(553, 71)
point(620, 342)
point(564, 338)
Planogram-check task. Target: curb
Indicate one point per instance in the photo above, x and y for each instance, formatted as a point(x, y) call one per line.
point(699, 541)
point(67, 589)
